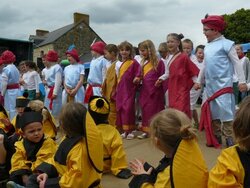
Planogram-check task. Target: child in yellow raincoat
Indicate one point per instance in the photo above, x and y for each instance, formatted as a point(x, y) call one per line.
point(233, 165)
point(114, 158)
point(5, 154)
point(183, 164)
point(49, 123)
point(78, 159)
point(32, 150)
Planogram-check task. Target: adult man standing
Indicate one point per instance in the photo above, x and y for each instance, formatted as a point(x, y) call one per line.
point(220, 62)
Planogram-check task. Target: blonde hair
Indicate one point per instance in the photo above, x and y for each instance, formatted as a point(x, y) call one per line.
point(150, 47)
point(241, 125)
point(170, 126)
point(38, 106)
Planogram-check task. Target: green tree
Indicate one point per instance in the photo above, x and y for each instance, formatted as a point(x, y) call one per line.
point(238, 26)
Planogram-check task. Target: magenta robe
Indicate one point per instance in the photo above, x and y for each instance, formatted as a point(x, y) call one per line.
point(181, 71)
point(151, 98)
point(125, 96)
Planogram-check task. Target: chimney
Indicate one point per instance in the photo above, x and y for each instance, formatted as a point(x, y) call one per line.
point(81, 17)
point(41, 33)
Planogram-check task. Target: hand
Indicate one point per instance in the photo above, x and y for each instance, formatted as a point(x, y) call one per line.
point(197, 86)
point(53, 96)
point(158, 82)
point(242, 87)
point(136, 80)
point(41, 179)
point(137, 167)
point(5, 121)
point(73, 92)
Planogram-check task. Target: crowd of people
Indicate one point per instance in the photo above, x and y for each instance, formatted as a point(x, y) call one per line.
point(161, 88)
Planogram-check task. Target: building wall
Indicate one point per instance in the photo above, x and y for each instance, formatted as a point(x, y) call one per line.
point(37, 51)
point(81, 36)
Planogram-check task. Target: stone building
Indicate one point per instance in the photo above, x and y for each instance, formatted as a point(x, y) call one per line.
point(78, 33)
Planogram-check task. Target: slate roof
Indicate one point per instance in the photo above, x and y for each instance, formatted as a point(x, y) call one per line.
point(54, 35)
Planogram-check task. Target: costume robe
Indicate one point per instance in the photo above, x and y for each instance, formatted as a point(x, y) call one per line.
point(151, 98)
point(71, 78)
point(219, 74)
point(187, 168)
point(181, 71)
point(108, 90)
point(231, 170)
point(29, 155)
point(114, 154)
point(11, 74)
point(50, 76)
point(72, 165)
point(125, 94)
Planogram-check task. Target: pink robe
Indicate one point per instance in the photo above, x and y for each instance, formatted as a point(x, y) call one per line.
point(125, 95)
point(181, 71)
point(151, 98)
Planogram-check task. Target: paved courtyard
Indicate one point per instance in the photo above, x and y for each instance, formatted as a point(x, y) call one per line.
point(144, 149)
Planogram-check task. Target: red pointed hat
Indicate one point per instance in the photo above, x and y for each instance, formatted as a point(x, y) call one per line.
point(98, 47)
point(214, 22)
point(51, 56)
point(74, 54)
point(8, 57)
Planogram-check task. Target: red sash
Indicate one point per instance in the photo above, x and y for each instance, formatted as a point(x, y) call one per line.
point(206, 120)
point(13, 86)
point(50, 94)
point(89, 92)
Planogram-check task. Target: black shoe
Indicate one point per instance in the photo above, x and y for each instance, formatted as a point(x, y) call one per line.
point(229, 142)
point(124, 174)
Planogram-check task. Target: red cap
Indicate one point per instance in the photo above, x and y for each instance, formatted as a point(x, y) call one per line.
point(98, 47)
point(8, 57)
point(74, 54)
point(51, 56)
point(214, 22)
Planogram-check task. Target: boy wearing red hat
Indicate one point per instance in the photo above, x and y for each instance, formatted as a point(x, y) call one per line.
point(97, 71)
point(10, 83)
point(73, 79)
point(53, 77)
point(220, 62)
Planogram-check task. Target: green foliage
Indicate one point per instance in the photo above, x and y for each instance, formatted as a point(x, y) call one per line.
point(238, 26)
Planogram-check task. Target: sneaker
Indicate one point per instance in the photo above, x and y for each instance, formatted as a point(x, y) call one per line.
point(130, 136)
point(124, 135)
point(142, 136)
point(124, 174)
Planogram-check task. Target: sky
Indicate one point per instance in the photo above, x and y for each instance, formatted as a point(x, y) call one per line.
point(115, 20)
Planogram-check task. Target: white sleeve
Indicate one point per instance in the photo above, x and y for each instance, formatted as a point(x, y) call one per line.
point(37, 80)
point(4, 83)
point(104, 70)
point(201, 75)
point(238, 66)
point(58, 82)
point(165, 75)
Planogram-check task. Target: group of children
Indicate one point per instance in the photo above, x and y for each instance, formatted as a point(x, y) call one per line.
point(105, 114)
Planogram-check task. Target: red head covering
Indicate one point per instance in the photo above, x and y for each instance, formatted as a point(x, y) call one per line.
point(214, 22)
point(51, 56)
point(1, 61)
point(98, 47)
point(8, 57)
point(74, 54)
